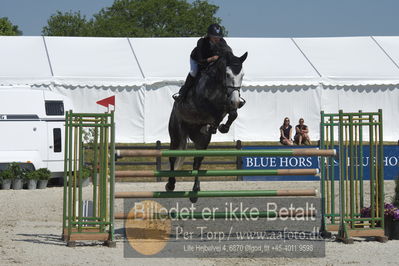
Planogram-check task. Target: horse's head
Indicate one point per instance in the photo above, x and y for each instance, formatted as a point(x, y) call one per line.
point(234, 75)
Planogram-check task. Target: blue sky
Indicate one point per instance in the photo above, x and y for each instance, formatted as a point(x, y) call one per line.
point(245, 18)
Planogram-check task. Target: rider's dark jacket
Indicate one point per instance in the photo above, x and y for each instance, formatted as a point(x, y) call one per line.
point(204, 50)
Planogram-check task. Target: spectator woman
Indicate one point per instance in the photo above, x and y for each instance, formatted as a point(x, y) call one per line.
point(286, 132)
point(301, 135)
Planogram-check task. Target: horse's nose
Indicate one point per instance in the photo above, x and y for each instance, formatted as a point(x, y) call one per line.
point(234, 100)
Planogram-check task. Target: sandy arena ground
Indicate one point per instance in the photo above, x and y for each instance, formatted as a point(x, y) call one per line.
point(31, 224)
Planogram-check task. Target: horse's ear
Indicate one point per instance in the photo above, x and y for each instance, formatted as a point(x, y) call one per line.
point(243, 57)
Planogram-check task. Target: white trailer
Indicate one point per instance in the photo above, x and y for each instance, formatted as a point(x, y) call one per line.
point(32, 128)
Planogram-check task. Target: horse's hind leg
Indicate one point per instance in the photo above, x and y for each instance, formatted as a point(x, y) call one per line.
point(170, 186)
point(178, 141)
point(201, 143)
point(197, 186)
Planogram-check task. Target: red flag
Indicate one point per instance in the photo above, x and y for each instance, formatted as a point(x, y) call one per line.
point(107, 101)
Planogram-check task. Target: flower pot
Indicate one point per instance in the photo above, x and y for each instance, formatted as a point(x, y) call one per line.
point(6, 184)
point(32, 183)
point(391, 228)
point(85, 182)
point(17, 183)
point(394, 230)
point(388, 226)
point(42, 184)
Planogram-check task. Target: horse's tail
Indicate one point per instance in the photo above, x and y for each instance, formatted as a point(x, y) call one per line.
point(178, 138)
point(182, 146)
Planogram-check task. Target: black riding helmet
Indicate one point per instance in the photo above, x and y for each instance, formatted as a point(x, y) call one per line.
point(214, 30)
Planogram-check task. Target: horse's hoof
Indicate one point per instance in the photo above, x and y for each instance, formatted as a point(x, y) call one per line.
point(223, 128)
point(169, 187)
point(195, 190)
point(193, 200)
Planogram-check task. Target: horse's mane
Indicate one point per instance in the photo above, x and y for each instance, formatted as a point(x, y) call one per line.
point(222, 49)
point(227, 58)
point(232, 61)
point(224, 52)
point(217, 69)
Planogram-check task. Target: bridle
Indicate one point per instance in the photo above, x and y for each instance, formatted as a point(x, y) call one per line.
point(231, 89)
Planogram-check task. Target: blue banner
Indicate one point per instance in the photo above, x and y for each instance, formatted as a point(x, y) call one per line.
point(391, 163)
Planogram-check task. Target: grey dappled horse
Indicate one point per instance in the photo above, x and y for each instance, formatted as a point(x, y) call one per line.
point(215, 94)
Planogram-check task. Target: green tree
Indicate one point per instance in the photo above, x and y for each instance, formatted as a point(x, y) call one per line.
point(155, 18)
point(138, 18)
point(67, 24)
point(7, 28)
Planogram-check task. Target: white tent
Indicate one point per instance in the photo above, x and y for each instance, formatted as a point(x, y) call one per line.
point(296, 77)
point(23, 61)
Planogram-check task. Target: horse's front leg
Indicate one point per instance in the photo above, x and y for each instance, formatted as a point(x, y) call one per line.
point(224, 128)
point(196, 187)
point(214, 126)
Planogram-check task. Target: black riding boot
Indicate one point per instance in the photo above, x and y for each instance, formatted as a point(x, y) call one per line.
point(181, 95)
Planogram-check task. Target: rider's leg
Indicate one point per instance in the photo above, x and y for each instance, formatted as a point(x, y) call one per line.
point(181, 95)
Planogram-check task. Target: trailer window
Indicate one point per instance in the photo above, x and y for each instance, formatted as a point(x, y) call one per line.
point(54, 108)
point(57, 139)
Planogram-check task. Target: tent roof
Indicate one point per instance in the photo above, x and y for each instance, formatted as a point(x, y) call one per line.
point(106, 60)
point(163, 58)
point(23, 58)
point(89, 61)
point(390, 45)
point(273, 59)
point(353, 60)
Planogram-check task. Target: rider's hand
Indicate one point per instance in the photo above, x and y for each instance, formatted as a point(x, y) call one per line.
point(213, 58)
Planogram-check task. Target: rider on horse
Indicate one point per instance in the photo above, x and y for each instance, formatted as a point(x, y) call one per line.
point(201, 56)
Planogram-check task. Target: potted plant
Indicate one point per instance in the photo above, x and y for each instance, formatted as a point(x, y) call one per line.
point(31, 178)
point(85, 177)
point(44, 175)
point(391, 215)
point(391, 221)
point(395, 199)
point(19, 174)
point(6, 177)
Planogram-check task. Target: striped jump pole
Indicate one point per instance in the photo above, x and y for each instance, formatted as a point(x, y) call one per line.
point(217, 193)
point(271, 152)
point(215, 215)
point(244, 172)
